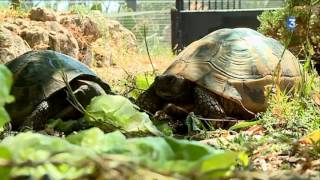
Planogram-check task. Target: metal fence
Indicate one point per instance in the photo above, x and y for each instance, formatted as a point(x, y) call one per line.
point(151, 14)
point(155, 14)
point(193, 19)
point(227, 4)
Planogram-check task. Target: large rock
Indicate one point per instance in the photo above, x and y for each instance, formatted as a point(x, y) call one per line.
point(45, 35)
point(121, 36)
point(42, 14)
point(85, 31)
point(99, 37)
point(11, 45)
point(83, 25)
point(84, 38)
point(116, 41)
point(103, 54)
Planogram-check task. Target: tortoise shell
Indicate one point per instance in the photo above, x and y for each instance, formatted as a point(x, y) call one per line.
point(237, 64)
point(38, 75)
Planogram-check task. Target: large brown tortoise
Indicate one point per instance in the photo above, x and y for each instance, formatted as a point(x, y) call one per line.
point(40, 89)
point(224, 74)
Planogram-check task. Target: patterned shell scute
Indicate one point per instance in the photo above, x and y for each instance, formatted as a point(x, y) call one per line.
point(38, 74)
point(237, 64)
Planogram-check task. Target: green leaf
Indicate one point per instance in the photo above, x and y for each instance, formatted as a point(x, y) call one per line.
point(143, 81)
point(41, 151)
point(96, 140)
point(190, 150)
point(220, 165)
point(5, 155)
point(5, 97)
point(81, 154)
point(114, 112)
point(34, 146)
point(167, 154)
point(6, 83)
point(244, 124)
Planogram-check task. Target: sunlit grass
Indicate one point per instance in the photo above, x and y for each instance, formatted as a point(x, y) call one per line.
point(295, 114)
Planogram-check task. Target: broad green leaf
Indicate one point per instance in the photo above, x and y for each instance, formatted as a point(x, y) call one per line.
point(5, 97)
point(143, 81)
point(181, 156)
point(218, 165)
point(190, 150)
point(34, 146)
point(66, 158)
point(244, 124)
point(95, 139)
point(5, 155)
point(43, 150)
point(165, 128)
point(114, 112)
point(6, 83)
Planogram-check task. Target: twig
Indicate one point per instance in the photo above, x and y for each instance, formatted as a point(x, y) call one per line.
point(220, 120)
point(147, 48)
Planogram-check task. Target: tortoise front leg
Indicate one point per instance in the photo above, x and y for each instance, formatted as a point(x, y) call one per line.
point(208, 106)
point(38, 118)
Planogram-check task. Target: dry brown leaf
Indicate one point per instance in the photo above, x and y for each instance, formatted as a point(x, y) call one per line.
point(316, 98)
point(310, 138)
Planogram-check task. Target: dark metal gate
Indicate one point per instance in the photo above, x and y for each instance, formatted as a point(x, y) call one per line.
point(193, 19)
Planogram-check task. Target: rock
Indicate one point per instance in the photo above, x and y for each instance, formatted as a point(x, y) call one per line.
point(42, 14)
point(84, 38)
point(36, 36)
point(116, 41)
point(83, 25)
point(102, 54)
point(45, 35)
point(85, 31)
point(11, 45)
point(61, 40)
point(121, 36)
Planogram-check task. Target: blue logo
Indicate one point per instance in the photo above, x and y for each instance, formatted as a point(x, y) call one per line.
point(291, 23)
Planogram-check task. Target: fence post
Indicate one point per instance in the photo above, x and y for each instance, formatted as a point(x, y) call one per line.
point(179, 5)
point(175, 30)
point(132, 4)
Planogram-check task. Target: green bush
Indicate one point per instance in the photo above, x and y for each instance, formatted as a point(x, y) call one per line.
point(305, 39)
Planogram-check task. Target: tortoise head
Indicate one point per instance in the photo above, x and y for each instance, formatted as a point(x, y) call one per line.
point(172, 87)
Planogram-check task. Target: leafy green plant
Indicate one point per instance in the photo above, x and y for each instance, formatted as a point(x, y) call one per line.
point(305, 39)
point(295, 114)
point(114, 112)
point(6, 81)
point(91, 153)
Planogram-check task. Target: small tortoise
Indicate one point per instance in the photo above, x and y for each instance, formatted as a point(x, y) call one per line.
point(224, 74)
point(40, 92)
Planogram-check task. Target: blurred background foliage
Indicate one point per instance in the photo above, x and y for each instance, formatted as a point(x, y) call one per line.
point(305, 39)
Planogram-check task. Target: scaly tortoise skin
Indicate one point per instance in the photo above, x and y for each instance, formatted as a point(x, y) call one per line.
point(40, 92)
point(224, 74)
